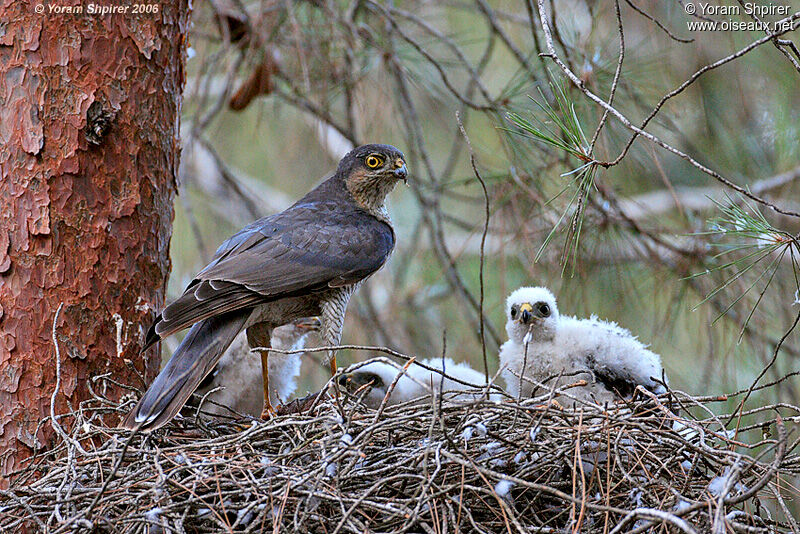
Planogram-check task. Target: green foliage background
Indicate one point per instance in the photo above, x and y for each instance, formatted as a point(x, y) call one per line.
point(740, 120)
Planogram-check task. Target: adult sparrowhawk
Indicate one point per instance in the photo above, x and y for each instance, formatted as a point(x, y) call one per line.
point(305, 261)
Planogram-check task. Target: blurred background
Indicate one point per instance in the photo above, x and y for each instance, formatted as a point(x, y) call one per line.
point(278, 91)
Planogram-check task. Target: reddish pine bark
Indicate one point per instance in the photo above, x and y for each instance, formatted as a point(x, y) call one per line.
point(89, 149)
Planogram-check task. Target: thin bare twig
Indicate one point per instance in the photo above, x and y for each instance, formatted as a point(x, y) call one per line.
point(487, 215)
point(639, 130)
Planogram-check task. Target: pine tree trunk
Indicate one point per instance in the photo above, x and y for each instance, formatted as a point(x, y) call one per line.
point(89, 150)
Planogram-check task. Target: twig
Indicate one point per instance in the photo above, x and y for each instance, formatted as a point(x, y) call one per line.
point(639, 131)
point(487, 215)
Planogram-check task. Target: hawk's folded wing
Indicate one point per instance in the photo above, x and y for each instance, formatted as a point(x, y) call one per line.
point(307, 248)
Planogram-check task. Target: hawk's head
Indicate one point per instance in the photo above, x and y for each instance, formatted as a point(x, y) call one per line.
point(370, 172)
point(531, 310)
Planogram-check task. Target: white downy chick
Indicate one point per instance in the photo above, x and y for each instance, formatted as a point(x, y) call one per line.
point(415, 383)
point(543, 344)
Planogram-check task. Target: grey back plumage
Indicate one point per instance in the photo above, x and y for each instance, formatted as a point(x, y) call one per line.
point(324, 240)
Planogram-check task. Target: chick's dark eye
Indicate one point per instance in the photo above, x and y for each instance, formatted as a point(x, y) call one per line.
point(544, 309)
point(373, 161)
point(513, 311)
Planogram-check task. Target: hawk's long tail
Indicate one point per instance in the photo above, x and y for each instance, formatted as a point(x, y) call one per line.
point(194, 358)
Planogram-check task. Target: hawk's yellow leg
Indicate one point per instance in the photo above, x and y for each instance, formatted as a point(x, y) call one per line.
point(258, 336)
point(268, 410)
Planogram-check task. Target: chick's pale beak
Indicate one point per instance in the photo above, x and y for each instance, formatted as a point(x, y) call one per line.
point(400, 170)
point(525, 313)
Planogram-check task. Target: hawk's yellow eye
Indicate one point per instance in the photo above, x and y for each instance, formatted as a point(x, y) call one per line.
point(374, 161)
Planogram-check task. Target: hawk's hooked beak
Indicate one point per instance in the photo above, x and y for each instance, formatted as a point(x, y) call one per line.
point(400, 170)
point(525, 313)
point(308, 324)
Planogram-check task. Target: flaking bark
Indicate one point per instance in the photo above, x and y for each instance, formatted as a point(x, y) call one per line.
point(89, 151)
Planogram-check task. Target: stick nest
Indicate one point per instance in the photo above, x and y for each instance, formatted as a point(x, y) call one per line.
point(508, 466)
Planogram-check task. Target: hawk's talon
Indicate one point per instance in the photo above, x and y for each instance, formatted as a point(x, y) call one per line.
point(552, 403)
point(268, 413)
